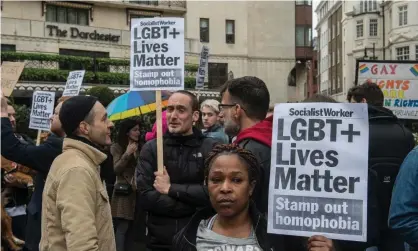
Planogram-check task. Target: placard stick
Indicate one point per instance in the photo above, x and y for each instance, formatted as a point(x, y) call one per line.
point(159, 131)
point(38, 138)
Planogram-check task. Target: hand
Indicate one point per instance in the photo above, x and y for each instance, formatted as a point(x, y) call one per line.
point(132, 147)
point(3, 106)
point(320, 243)
point(12, 181)
point(162, 182)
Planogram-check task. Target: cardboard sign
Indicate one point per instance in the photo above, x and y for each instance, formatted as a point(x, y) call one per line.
point(42, 110)
point(319, 170)
point(10, 73)
point(74, 82)
point(157, 54)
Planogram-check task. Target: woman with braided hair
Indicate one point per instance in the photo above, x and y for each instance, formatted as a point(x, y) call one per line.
point(234, 223)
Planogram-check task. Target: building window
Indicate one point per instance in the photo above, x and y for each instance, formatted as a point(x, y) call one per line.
point(144, 2)
point(8, 47)
point(66, 15)
point(333, 31)
point(78, 66)
point(333, 58)
point(303, 2)
point(218, 74)
point(338, 55)
point(402, 53)
point(230, 31)
point(359, 28)
point(403, 15)
point(204, 30)
point(373, 28)
point(303, 36)
point(416, 52)
point(338, 27)
point(368, 6)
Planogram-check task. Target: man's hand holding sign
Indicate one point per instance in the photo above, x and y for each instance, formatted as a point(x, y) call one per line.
point(318, 180)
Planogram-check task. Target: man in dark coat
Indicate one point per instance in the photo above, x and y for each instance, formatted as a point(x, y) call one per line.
point(172, 197)
point(38, 158)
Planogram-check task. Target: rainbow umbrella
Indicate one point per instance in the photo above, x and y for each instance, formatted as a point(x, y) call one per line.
point(134, 103)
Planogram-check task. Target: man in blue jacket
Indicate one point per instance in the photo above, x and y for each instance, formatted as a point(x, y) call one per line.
point(403, 214)
point(38, 158)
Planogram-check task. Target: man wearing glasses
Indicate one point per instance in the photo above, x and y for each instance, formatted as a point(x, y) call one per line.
point(244, 106)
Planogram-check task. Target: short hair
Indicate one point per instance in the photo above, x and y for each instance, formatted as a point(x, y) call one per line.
point(211, 103)
point(319, 98)
point(369, 91)
point(194, 102)
point(248, 157)
point(251, 93)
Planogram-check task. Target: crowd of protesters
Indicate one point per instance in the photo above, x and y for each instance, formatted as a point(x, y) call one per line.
point(94, 194)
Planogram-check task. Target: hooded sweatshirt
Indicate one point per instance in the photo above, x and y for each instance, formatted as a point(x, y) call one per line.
point(260, 132)
point(257, 139)
point(153, 134)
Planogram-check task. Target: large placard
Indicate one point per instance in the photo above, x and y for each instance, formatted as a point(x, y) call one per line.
point(319, 170)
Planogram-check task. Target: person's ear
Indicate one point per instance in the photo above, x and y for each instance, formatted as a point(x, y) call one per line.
point(195, 116)
point(84, 128)
point(252, 187)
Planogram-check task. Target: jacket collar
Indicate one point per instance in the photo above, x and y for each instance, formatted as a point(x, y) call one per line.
point(192, 140)
point(214, 128)
point(94, 154)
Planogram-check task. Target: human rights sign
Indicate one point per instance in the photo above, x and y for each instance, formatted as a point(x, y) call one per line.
point(157, 54)
point(42, 110)
point(319, 170)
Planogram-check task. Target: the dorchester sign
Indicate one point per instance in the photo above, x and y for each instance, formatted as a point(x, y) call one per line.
point(75, 33)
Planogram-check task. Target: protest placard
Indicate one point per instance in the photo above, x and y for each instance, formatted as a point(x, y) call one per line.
point(10, 73)
point(201, 72)
point(42, 110)
point(157, 54)
point(398, 82)
point(74, 82)
point(319, 170)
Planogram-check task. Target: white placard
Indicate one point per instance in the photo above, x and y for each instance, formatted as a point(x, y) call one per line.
point(319, 170)
point(398, 81)
point(74, 82)
point(201, 72)
point(42, 110)
point(157, 54)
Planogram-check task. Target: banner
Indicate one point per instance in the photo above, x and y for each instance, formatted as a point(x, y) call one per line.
point(10, 73)
point(398, 81)
point(74, 82)
point(157, 54)
point(201, 72)
point(319, 170)
point(42, 110)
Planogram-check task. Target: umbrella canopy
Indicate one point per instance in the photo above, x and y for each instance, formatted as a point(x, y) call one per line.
point(134, 103)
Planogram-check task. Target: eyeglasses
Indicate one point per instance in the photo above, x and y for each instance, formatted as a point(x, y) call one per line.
point(222, 106)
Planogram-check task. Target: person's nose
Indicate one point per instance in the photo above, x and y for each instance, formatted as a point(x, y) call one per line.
point(12, 118)
point(111, 125)
point(226, 187)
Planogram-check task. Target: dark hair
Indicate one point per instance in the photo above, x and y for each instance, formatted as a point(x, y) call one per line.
point(194, 102)
point(319, 98)
point(245, 155)
point(125, 127)
point(369, 91)
point(251, 93)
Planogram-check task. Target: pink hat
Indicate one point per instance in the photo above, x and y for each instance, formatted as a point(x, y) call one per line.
point(153, 134)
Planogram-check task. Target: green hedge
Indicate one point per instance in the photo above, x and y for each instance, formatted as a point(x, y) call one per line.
point(85, 61)
point(108, 78)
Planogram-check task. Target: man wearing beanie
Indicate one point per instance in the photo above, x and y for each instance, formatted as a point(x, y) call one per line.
point(75, 209)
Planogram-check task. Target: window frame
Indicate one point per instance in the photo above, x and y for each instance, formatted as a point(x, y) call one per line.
point(376, 25)
point(359, 24)
point(403, 56)
point(403, 15)
point(230, 38)
point(57, 17)
point(202, 32)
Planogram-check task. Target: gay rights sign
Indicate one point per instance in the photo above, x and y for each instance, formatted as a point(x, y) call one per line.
point(319, 170)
